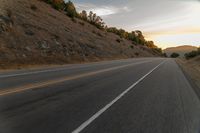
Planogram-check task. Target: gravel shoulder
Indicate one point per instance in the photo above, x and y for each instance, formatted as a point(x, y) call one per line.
point(191, 69)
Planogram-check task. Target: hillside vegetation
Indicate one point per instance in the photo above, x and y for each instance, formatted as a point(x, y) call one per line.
point(35, 32)
point(193, 54)
point(135, 36)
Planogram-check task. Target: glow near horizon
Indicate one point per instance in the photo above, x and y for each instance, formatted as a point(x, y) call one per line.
point(167, 22)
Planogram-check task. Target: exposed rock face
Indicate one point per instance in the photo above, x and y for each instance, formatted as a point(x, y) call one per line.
point(6, 22)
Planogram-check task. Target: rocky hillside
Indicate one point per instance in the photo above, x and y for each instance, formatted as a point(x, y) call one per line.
point(33, 33)
point(182, 50)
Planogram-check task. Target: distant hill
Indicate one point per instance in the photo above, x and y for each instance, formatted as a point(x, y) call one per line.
point(180, 49)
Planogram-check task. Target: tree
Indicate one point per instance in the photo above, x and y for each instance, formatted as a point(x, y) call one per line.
point(70, 9)
point(112, 30)
point(141, 39)
point(57, 4)
point(99, 22)
point(90, 16)
point(174, 55)
point(191, 54)
point(132, 36)
point(151, 44)
point(95, 20)
point(83, 15)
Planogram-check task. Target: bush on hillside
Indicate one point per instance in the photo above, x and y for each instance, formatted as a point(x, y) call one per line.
point(70, 9)
point(83, 15)
point(174, 55)
point(191, 54)
point(150, 44)
point(33, 7)
point(92, 18)
point(136, 37)
point(132, 47)
point(95, 20)
point(118, 40)
point(57, 4)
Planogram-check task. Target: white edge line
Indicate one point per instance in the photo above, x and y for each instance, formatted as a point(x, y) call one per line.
point(96, 115)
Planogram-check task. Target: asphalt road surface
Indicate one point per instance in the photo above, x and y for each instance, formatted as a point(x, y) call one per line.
point(146, 95)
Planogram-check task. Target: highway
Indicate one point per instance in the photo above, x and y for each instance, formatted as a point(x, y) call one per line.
point(144, 95)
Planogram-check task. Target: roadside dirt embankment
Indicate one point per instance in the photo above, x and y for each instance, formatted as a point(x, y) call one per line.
point(32, 33)
point(192, 68)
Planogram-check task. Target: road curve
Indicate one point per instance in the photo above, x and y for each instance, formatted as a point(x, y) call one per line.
point(147, 95)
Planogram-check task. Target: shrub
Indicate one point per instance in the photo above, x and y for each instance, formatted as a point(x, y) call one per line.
point(33, 7)
point(118, 40)
point(57, 4)
point(191, 54)
point(132, 46)
point(174, 55)
point(83, 15)
point(136, 37)
point(95, 20)
point(70, 9)
point(150, 44)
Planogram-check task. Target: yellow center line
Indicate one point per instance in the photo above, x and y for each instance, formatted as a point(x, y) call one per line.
point(51, 82)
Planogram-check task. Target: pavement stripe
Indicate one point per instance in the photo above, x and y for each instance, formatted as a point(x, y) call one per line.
point(38, 72)
point(29, 73)
point(51, 82)
point(96, 115)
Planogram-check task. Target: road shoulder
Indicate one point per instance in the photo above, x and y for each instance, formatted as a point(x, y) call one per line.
point(192, 73)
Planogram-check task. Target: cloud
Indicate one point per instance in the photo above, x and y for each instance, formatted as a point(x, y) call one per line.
point(105, 11)
point(156, 18)
point(101, 10)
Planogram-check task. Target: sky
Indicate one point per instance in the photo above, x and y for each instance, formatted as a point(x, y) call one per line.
point(168, 23)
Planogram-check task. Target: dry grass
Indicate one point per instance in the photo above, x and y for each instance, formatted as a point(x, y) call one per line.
point(192, 67)
point(42, 35)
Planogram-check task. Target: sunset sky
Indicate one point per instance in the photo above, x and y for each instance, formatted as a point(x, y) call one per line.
point(167, 22)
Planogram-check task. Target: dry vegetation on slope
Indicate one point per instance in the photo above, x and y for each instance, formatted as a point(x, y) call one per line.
point(192, 68)
point(33, 33)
